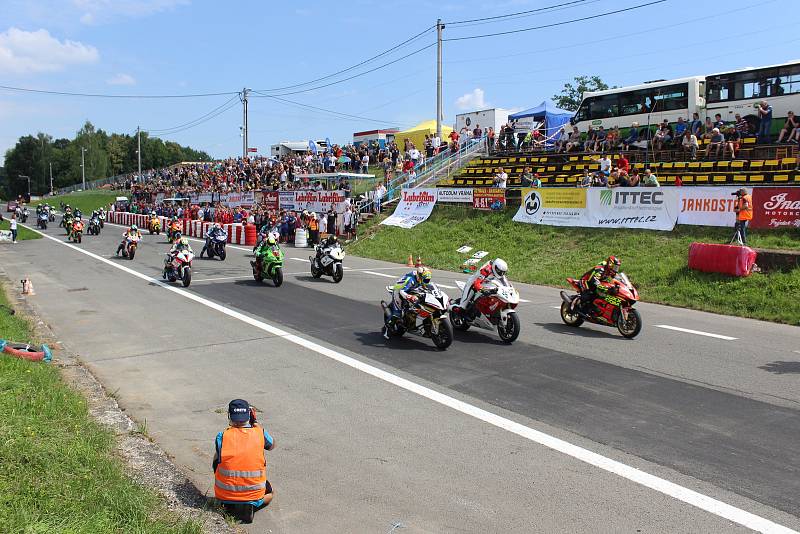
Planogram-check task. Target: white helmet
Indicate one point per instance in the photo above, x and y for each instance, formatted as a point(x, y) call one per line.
point(499, 267)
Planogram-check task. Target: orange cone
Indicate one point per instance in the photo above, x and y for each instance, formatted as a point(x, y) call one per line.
point(419, 261)
point(410, 262)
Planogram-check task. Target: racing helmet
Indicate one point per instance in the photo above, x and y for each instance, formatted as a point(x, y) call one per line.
point(499, 267)
point(178, 237)
point(424, 275)
point(271, 240)
point(332, 240)
point(184, 241)
point(218, 226)
point(134, 228)
point(612, 265)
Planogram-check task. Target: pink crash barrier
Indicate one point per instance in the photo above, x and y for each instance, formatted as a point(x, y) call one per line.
point(236, 231)
point(732, 260)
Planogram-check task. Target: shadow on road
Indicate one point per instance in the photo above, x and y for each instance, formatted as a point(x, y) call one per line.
point(408, 342)
point(782, 368)
point(560, 328)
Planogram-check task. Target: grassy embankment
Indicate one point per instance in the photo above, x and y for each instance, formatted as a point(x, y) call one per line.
point(86, 201)
point(655, 261)
point(22, 233)
point(59, 470)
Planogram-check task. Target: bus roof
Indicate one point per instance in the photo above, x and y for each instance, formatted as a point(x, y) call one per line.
point(745, 69)
point(661, 83)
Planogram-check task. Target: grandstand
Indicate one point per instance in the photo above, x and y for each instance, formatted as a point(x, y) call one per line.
point(755, 165)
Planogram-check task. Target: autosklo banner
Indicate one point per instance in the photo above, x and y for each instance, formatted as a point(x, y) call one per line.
point(488, 198)
point(554, 207)
point(775, 207)
point(707, 206)
point(455, 194)
point(633, 207)
point(415, 206)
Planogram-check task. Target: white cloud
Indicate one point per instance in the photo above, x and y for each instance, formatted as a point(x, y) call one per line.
point(121, 79)
point(25, 52)
point(97, 11)
point(472, 101)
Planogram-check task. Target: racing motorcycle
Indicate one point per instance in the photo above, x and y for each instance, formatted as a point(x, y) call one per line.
point(495, 307)
point(328, 261)
point(262, 236)
point(76, 231)
point(268, 264)
point(178, 267)
point(155, 226)
point(426, 316)
point(216, 247)
point(613, 307)
point(129, 249)
point(66, 221)
point(102, 217)
point(41, 220)
point(25, 214)
point(94, 226)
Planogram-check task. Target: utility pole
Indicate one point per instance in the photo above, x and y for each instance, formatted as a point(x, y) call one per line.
point(439, 28)
point(43, 182)
point(243, 97)
point(51, 178)
point(139, 152)
point(83, 168)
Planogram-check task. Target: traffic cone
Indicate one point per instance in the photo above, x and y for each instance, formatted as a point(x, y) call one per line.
point(410, 262)
point(419, 261)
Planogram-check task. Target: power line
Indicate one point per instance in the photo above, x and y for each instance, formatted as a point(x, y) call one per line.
point(348, 69)
point(158, 130)
point(197, 122)
point(101, 95)
point(509, 15)
point(316, 108)
point(562, 23)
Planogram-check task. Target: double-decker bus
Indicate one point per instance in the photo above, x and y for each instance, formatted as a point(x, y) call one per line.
point(725, 93)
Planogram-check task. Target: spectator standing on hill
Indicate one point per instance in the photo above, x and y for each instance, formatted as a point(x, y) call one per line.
point(365, 163)
point(788, 127)
point(490, 138)
point(331, 221)
point(765, 116)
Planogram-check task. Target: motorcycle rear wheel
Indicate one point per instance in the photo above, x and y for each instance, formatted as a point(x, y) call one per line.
point(459, 322)
point(570, 318)
point(444, 334)
point(510, 332)
point(630, 328)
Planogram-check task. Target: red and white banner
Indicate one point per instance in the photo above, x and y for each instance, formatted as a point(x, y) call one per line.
point(707, 206)
point(233, 200)
point(776, 207)
point(415, 206)
point(270, 199)
point(313, 201)
point(489, 198)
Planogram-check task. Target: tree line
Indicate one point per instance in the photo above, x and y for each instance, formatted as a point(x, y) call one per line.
point(105, 155)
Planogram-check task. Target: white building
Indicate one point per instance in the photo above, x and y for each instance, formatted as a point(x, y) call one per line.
point(494, 117)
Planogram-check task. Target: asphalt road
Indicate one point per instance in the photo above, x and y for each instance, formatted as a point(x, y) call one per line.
point(703, 401)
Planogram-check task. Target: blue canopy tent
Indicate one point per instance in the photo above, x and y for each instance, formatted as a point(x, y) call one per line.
point(546, 112)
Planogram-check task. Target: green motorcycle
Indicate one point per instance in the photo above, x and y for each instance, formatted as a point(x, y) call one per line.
point(268, 264)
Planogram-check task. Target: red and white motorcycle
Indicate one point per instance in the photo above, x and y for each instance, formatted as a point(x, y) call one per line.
point(179, 267)
point(495, 307)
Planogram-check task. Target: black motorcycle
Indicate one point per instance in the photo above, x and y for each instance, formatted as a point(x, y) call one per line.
point(94, 226)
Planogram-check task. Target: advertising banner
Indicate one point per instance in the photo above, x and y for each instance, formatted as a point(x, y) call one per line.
point(286, 200)
point(455, 194)
point(269, 199)
point(196, 198)
point(554, 207)
point(233, 200)
point(707, 206)
point(489, 198)
point(415, 206)
point(319, 201)
point(776, 207)
point(633, 207)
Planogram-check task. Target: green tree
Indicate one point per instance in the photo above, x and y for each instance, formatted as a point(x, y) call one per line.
point(571, 95)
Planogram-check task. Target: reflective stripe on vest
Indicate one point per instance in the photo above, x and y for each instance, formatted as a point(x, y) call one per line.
point(242, 471)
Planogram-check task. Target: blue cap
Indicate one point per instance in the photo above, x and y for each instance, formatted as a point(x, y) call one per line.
point(239, 411)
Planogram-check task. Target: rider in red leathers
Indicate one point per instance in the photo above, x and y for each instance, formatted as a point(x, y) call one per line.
point(591, 281)
point(491, 270)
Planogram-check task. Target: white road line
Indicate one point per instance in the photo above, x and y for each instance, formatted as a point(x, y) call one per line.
point(380, 274)
point(446, 286)
point(694, 498)
point(556, 307)
point(524, 300)
point(696, 332)
point(299, 259)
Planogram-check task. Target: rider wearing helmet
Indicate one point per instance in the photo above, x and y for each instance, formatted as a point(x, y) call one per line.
point(421, 276)
point(181, 243)
point(214, 231)
point(329, 241)
point(133, 231)
point(591, 283)
point(494, 269)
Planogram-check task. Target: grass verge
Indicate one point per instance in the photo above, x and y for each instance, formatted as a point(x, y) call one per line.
point(59, 471)
point(22, 233)
point(86, 201)
point(655, 261)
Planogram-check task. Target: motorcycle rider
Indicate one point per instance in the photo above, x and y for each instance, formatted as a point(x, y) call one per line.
point(133, 231)
point(419, 277)
point(267, 243)
point(213, 232)
point(491, 270)
point(328, 242)
point(591, 282)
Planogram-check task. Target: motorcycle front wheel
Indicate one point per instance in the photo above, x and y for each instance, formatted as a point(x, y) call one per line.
point(187, 276)
point(277, 278)
point(569, 317)
point(444, 334)
point(131, 253)
point(630, 328)
point(338, 273)
point(316, 272)
point(510, 331)
point(222, 254)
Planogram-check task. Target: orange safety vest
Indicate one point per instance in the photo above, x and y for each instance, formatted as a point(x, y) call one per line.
point(313, 225)
point(242, 471)
point(744, 208)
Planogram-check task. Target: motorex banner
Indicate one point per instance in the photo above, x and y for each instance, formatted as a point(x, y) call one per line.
point(415, 206)
point(649, 208)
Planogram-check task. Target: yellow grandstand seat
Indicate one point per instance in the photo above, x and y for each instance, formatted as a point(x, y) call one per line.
point(720, 178)
point(739, 177)
point(680, 165)
point(737, 164)
point(756, 164)
point(780, 178)
point(701, 178)
point(756, 178)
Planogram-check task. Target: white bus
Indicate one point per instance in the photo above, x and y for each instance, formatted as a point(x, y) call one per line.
point(726, 93)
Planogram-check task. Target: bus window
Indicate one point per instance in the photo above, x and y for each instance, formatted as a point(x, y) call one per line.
point(790, 77)
point(631, 103)
point(718, 91)
point(604, 107)
point(671, 98)
point(583, 112)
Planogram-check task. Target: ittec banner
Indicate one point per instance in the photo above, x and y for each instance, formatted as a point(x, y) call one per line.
point(488, 198)
point(707, 206)
point(633, 207)
point(776, 207)
point(415, 206)
point(554, 207)
point(455, 194)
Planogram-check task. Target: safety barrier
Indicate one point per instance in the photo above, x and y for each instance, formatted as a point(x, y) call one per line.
point(237, 233)
point(724, 259)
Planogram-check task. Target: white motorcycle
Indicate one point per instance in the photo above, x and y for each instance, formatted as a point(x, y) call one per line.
point(328, 261)
point(494, 307)
point(425, 316)
point(178, 267)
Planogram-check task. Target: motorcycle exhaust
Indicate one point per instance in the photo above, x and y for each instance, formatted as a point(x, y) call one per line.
point(566, 298)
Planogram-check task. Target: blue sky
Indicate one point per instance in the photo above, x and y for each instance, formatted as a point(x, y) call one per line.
point(183, 46)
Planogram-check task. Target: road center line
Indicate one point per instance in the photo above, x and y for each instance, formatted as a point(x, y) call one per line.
point(694, 498)
point(696, 332)
point(380, 274)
